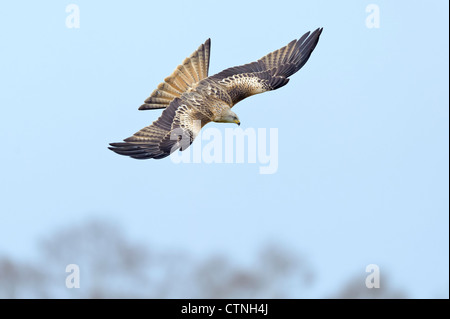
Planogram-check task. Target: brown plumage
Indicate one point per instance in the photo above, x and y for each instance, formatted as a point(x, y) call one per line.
point(191, 99)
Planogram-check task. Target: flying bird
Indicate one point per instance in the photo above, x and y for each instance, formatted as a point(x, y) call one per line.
point(191, 99)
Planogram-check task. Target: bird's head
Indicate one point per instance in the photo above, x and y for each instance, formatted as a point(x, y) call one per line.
point(227, 116)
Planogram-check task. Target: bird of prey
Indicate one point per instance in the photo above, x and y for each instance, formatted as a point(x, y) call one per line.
point(191, 99)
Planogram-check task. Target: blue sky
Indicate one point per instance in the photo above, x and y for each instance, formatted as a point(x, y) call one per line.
point(363, 133)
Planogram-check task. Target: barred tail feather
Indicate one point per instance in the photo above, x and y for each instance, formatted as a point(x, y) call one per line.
point(186, 76)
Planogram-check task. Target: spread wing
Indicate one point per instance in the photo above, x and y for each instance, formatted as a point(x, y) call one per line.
point(270, 72)
point(176, 128)
point(186, 76)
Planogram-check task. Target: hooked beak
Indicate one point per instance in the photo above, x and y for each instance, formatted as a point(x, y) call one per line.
point(237, 122)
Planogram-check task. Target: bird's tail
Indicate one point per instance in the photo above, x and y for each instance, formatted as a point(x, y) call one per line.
point(186, 75)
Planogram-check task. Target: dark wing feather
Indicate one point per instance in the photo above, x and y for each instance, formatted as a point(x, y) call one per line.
point(175, 129)
point(271, 71)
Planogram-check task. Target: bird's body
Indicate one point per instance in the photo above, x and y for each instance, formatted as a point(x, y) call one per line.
point(191, 99)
